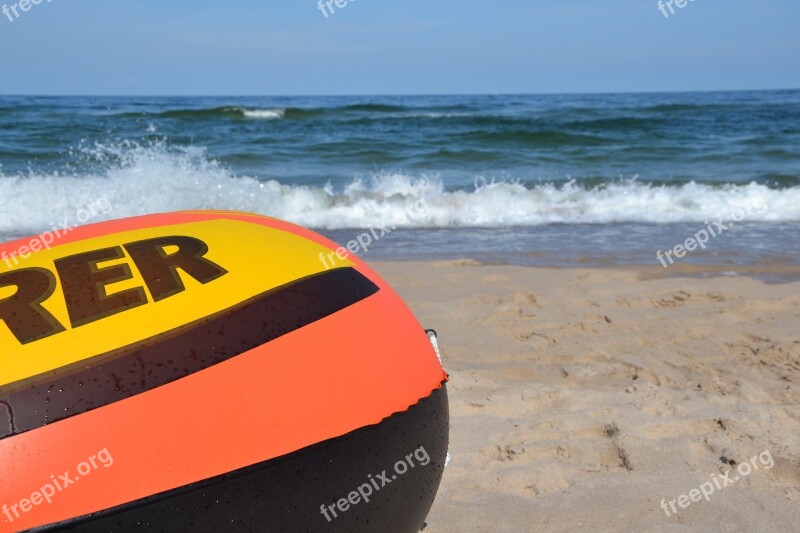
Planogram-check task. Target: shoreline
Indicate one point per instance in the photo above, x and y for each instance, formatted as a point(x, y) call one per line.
point(771, 273)
point(760, 248)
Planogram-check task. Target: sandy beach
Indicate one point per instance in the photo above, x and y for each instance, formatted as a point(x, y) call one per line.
point(582, 398)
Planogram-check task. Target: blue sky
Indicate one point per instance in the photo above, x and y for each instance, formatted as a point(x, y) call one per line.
point(236, 47)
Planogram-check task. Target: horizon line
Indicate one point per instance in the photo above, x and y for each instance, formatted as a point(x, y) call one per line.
point(378, 95)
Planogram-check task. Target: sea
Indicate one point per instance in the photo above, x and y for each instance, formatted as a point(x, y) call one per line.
point(545, 180)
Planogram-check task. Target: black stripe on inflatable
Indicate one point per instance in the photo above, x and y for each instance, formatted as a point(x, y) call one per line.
point(161, 360)
point(287, 493)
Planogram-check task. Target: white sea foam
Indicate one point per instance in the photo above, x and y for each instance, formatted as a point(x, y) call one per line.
point(138, 180)
point(264, 114)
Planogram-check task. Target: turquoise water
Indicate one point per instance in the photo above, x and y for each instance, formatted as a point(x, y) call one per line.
point(552, 179)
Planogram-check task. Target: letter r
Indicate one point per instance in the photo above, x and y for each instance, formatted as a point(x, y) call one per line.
point(23, 312)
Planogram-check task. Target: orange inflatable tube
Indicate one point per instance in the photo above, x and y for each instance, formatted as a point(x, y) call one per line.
point(207, 369)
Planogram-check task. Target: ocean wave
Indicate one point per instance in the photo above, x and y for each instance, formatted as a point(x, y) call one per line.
point(138, 179)
point(346, 111)
point(202, 113)
point(231, 112)
point(373, 108)
point(269, 114)
point(541, 138)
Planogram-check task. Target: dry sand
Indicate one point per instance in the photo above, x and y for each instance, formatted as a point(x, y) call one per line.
point(580, 398)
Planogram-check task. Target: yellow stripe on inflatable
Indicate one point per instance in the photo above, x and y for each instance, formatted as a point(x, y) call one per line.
point(268, 259)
